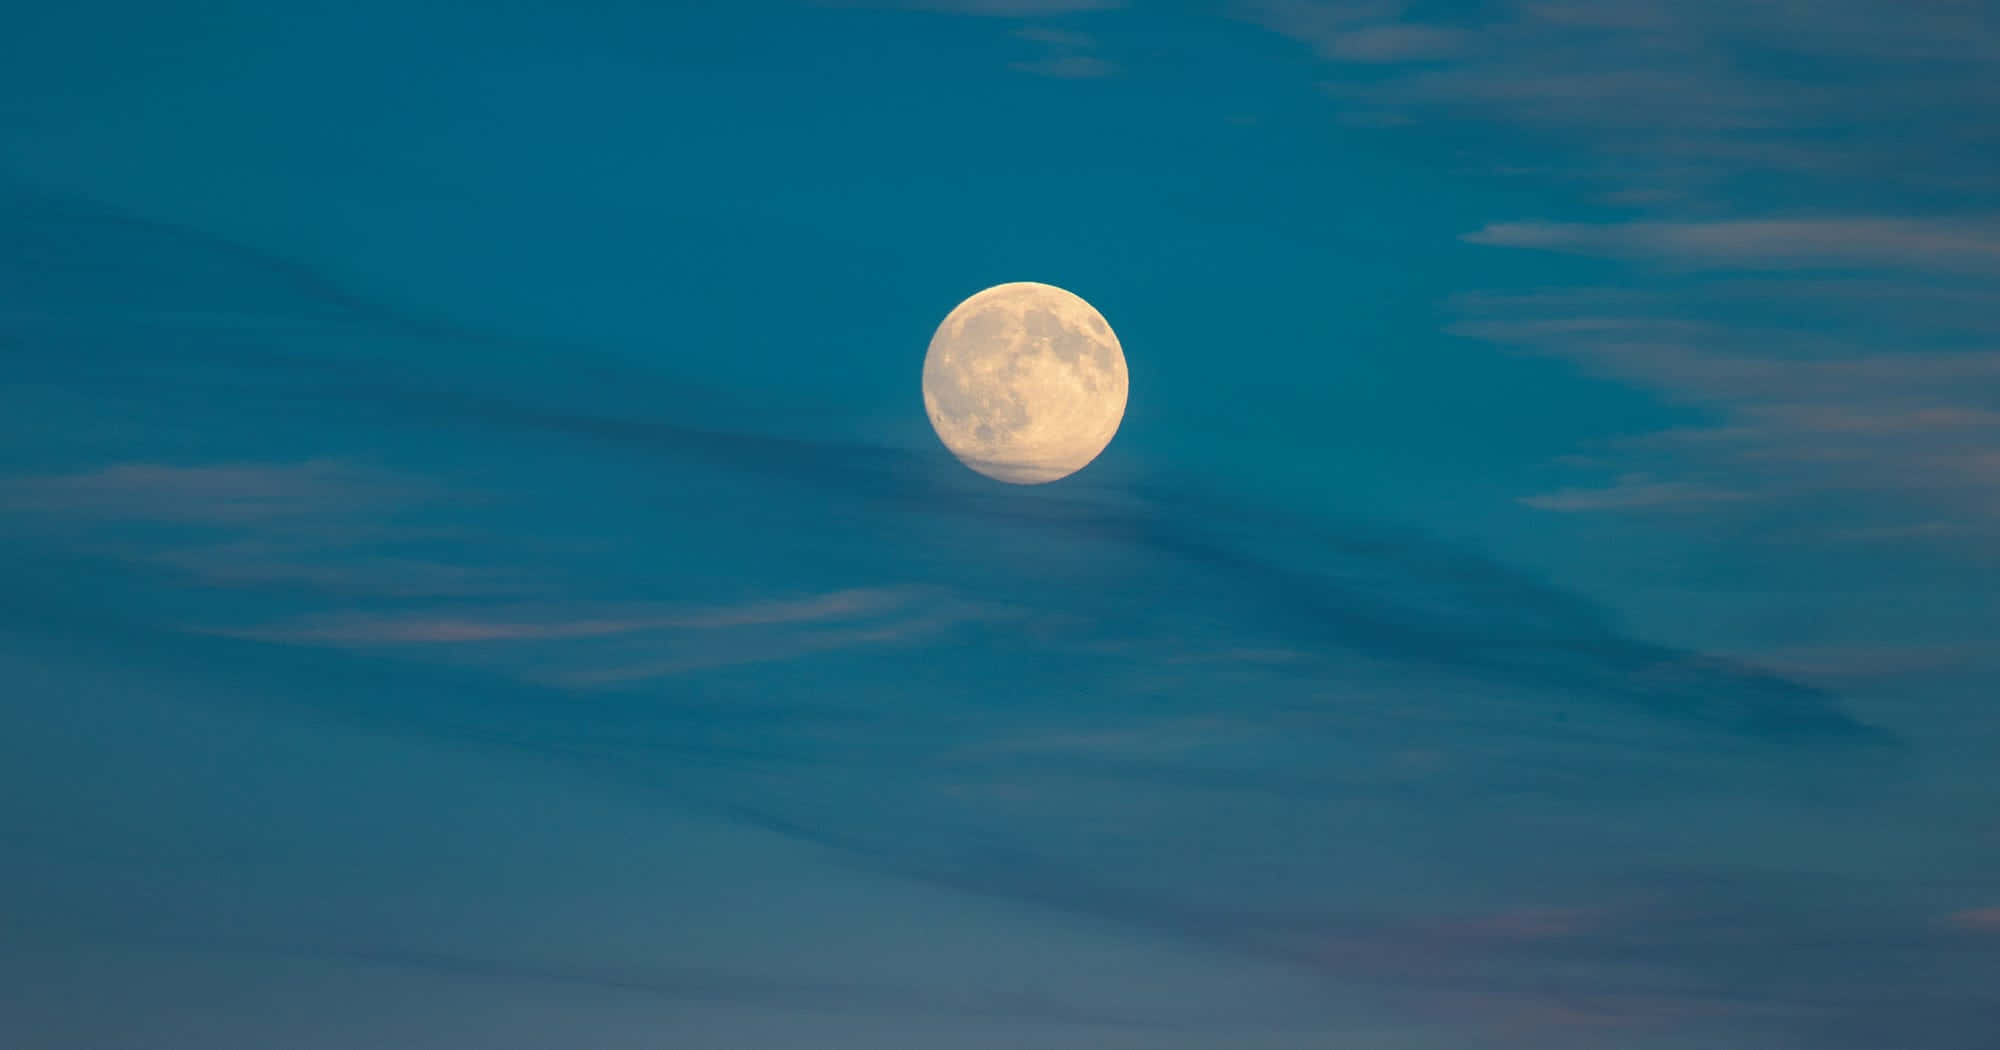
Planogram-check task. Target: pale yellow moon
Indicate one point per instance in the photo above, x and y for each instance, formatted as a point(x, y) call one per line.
point(1025, 383)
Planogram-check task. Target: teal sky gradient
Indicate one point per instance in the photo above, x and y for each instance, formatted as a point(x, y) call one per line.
point(480, 574)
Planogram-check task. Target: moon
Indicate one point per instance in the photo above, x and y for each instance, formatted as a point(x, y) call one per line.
point(1025, 383)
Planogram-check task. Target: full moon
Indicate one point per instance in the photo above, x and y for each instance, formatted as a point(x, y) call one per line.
point(1025, 383)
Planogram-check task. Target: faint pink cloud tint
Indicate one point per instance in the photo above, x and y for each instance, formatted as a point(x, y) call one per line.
point(851, 602)
point(1510, 972)
point(572, 623)
point(1632, 493)
point(1520, 924)
point(1391, 43)
point(1980, 920)
point(1851, 662)
point(421, 630)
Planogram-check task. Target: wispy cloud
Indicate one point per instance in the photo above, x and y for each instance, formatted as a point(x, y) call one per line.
point(1391, 43)
point(444, 628)
point(669, 660)
point(652, 640)
point(1797, 188)
point(1066, 67)
point(1356, 30)
point(1635, 492)
point(1949, 245)
point(1802, 415)
point(1067, 55)
point(1060, 38)
point(1692, 89)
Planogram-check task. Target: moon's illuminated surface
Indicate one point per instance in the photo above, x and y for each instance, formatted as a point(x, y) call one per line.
point(1025, 383)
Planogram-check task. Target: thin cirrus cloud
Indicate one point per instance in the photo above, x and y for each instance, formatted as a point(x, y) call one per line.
point(1057, 38)
point(1689, 87)
point(673, 640)
point(315, 525)
point(1398, 597)
point(1978, 920)
point(656, 641)
point(1950, 246)
point(1850, 383)
point(1392, 43)
point(1776, 220)
point(1068, 55)
point(1636, 492)
point(1821, 417)
point(1364, 31)
point(709, 655)
point(490, 627)
point(312, 524)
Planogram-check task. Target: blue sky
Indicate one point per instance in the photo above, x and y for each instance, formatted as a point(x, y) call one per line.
point(481, 574)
